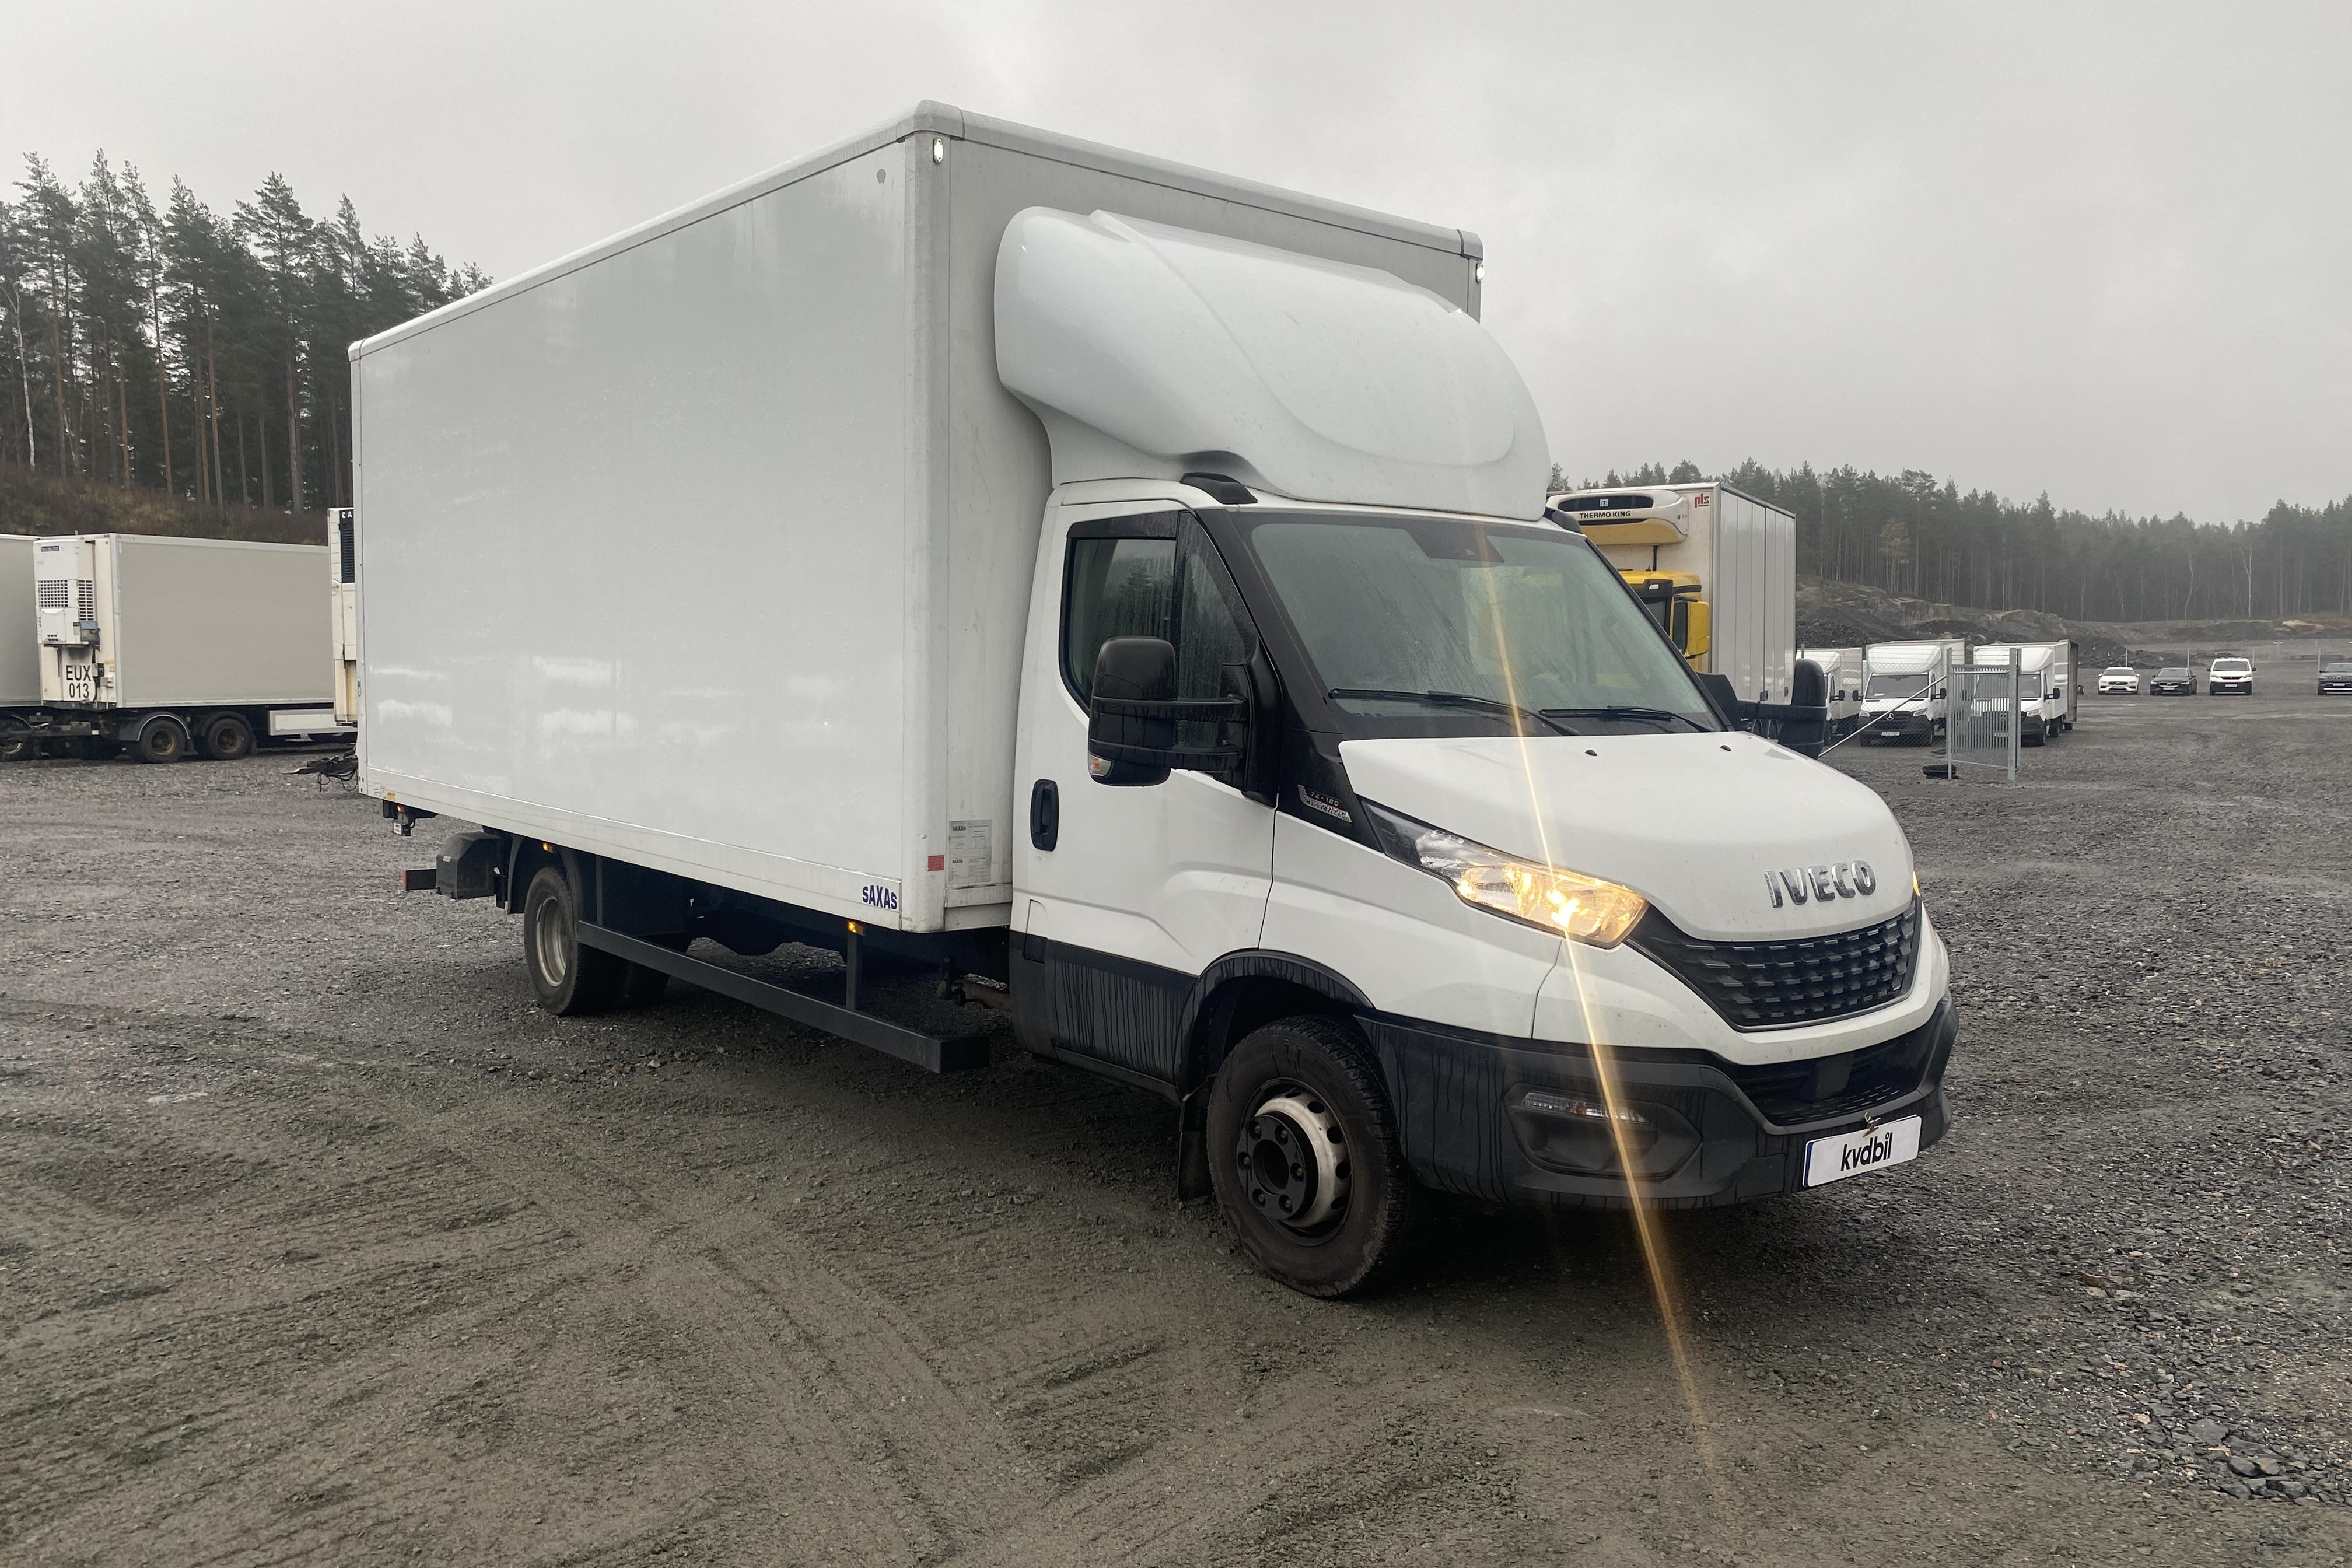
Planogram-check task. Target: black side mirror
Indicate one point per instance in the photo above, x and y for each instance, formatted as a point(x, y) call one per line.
point(1132, 720)
point(1124, 742)
point(1726, 701)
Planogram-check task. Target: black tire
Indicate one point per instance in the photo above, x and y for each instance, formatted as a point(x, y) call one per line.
point(1321, 1069)
point(570, 980)
point(227, 738)
point(17, 742)
point(162, 739)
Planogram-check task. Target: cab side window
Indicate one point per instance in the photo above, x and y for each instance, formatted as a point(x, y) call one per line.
point(1117, 588)
point(1156, 576)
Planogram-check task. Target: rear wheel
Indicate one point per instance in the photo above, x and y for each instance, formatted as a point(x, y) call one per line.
point(570, 979)
point(162, 739)
point(228, 738)
point(1306, 1161)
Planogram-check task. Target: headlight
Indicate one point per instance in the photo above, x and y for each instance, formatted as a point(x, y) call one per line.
point(1567, 902)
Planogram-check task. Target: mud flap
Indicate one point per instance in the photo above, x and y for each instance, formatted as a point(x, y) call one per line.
point(1192, 1145)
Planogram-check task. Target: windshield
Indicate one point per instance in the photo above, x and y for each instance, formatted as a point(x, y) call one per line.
point(2174, 674)
point(2230, 666)
point(1896, 685)
point(1504, 628)
point(2337, 669)
point(2115, 671)
point(1992, 687)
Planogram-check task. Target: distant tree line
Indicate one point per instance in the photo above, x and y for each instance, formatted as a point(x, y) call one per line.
point(189, 353)
point(1911, 535)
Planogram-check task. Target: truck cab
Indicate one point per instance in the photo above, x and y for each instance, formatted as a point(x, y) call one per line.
point(1907, 689)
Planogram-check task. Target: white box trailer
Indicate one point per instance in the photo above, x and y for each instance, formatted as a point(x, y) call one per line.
point(1714, 565)
point(2045, 680)
point(170, 645)
point(1124, 591)
point(1907, 694)
point(1845, 671)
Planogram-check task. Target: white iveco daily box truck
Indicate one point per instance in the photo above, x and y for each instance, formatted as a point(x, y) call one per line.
point(20, 650)
point(167, 645)
point(2045, 687)
point(1908, 694)
point(1126, 592)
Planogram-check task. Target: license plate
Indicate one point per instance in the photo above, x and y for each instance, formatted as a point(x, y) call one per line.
point(81, 683)
point(1851, 1153)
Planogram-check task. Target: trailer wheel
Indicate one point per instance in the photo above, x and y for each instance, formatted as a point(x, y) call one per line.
point(162, 739)
point(1306, 1161)
point(228, 738)
point(17, 742)
point(571, 979)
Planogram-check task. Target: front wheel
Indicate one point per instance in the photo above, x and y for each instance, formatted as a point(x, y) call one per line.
point(1306, 1161)
point(571, 979)
point(17, 742)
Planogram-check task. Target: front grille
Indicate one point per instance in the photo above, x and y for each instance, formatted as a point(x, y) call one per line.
point(1792, 1094)
point(1773, 985)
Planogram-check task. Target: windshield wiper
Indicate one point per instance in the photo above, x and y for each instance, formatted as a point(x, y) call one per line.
point(1448, 699)
point(1622, 711)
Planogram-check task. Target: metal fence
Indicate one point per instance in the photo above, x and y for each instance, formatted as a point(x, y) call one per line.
point(1982, 728)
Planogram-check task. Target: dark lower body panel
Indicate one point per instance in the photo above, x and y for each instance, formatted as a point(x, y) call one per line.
point(1520, 1121)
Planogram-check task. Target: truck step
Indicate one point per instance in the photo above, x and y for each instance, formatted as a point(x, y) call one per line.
point(959, 1053)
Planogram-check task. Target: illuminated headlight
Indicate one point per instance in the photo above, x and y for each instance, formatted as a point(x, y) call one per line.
point(1546, 897)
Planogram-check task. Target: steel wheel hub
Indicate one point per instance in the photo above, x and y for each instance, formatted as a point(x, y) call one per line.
point(1292, 1161)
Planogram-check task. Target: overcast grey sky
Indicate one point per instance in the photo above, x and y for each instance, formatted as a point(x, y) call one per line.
point(2100, 249)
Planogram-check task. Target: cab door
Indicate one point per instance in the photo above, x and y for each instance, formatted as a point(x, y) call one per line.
point(1124, 894)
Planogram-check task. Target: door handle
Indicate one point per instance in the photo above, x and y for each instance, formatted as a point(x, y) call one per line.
point(1044, 814)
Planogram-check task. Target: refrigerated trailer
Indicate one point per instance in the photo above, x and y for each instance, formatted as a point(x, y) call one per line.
point(168, 646)
point(1122, 592)
point(1716, 567)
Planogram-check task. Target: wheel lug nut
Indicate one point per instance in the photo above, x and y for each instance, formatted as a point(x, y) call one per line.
point(1257, 1196)
point(1297, 1172)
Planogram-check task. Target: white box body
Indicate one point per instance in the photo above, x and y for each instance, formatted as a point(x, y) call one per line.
point(20, 646)
point(141, 621)
point(709, 548)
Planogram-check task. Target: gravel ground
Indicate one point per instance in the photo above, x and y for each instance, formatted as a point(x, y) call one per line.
point(323, 1244)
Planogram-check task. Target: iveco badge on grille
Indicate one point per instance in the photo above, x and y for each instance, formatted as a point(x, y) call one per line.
point(1842, 879)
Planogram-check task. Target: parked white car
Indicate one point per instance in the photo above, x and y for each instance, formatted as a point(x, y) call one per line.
point(2231, 675)
point(2119, 679)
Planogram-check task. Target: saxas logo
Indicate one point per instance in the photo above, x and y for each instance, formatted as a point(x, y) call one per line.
point(877, 896)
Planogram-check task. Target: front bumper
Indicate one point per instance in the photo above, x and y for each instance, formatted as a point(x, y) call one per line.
point(2335, 688)
point(2241, 688)
point(1483, 1116)
point(1906, 725)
